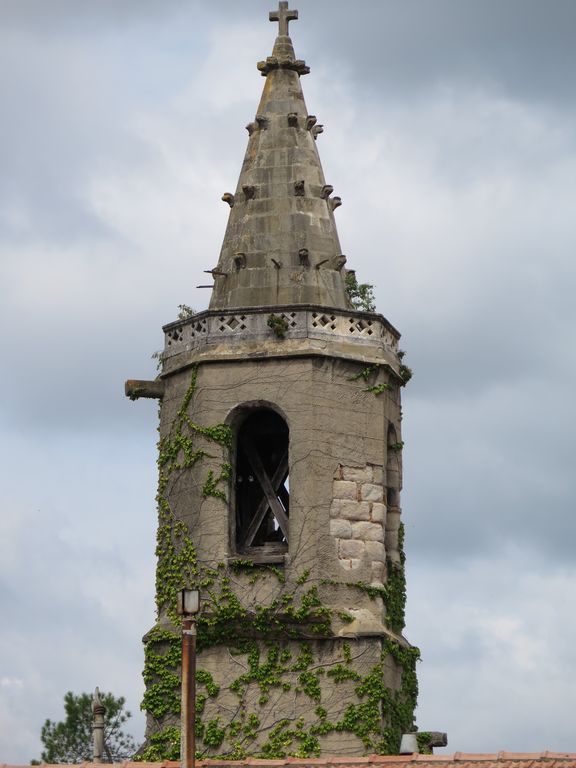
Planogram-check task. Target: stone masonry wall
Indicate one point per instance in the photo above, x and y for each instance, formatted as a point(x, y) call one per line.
point(358, 518)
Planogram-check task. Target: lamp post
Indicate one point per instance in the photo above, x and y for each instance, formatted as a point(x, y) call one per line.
point(188, 607)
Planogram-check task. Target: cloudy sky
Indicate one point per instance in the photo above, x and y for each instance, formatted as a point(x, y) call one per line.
point(450, 134)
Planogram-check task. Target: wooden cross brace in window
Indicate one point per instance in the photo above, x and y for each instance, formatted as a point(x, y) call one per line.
point(271, 488)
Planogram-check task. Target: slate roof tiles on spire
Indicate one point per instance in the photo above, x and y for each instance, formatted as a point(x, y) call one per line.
point(281, 246)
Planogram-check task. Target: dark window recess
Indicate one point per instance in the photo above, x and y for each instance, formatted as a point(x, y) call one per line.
point(262, 499)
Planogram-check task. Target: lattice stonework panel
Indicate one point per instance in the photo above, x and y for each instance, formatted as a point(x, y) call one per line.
point(326, 322)
point(174, 336)
point(229, 324)
point(361, 326)
point(198, 328)
point(291, 318)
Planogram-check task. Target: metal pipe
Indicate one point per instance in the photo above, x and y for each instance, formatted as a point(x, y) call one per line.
point(188, 724)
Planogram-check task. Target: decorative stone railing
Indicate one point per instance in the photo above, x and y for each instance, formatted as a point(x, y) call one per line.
point(249, 325)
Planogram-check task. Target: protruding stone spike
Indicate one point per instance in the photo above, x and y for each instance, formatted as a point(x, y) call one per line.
point(240, 261)
point(304, 257)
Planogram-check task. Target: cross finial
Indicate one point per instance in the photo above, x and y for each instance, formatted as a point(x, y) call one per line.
point(283, 16)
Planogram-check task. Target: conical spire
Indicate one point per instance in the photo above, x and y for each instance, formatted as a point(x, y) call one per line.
point(281, 246)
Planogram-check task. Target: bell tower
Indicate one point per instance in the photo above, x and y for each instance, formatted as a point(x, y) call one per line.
point(280, 470)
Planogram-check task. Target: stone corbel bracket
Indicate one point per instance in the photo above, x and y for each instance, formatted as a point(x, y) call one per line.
point(136, 388)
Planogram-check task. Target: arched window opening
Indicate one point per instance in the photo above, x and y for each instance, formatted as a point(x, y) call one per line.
point(261, 486)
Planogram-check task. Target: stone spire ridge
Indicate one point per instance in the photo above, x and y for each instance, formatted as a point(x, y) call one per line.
point(281, 246)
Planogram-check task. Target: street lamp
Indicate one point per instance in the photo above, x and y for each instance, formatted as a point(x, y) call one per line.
point(188, 606)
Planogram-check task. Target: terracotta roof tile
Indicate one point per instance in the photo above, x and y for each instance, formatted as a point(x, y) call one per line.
point(463, 760)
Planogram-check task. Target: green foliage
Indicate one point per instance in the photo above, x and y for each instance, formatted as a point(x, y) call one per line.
point(185, 312)
point(423, 739)
point(377, 389)
point(211, 485)
point(163, 745)
point(278, 324)
point(361, 295)
point(405, 374)
point(70, 740)
point(366, 372)
point(396, 446)
point(396, 596)
point(162, 655)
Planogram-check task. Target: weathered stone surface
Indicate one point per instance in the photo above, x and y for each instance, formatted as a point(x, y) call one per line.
point(378, 475)
point(350, 548)
point(341, 529)
point(357, 474)
point(393, 519)
point(350, 510)
point(378, 513)
point(364, 623)
point(344, 489)
point(274, 222)
point(350, 565)
point(378, 572)
point(371, 492)
point(375, 550)
point(368, 531)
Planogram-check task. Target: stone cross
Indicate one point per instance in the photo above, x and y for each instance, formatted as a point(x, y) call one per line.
point(283, 16)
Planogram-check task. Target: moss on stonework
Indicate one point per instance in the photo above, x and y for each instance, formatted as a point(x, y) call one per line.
point(269, 665)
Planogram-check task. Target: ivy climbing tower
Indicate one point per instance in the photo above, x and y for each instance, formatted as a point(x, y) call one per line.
point(280, 474)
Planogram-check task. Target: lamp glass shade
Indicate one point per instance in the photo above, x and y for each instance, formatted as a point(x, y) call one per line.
point(409, 744)
point(188, 601)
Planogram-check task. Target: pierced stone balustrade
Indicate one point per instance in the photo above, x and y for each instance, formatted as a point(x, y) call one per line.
point(303, 329)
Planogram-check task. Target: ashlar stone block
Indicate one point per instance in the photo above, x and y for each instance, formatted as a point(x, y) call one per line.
point(345, 489)
point(371, 492)
point(352, 548)
point(358, 474)
point(378, 514)
point(378, 475)
point(350, 510)
point(368, 531)
point(378, 572)
point(376, 551)
point(341, 529)
point(350, 565)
